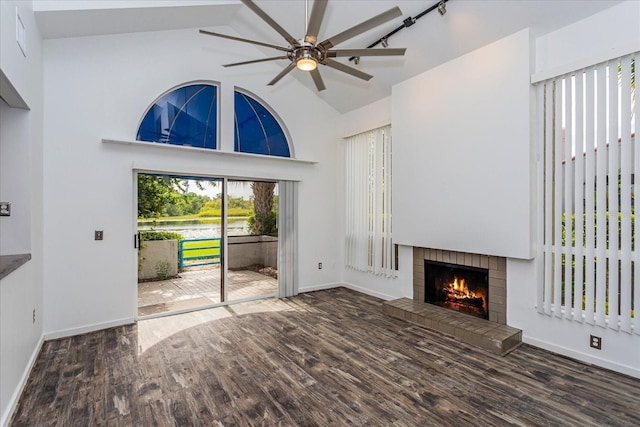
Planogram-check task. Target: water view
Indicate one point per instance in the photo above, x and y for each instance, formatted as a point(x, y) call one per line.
point(196, 228)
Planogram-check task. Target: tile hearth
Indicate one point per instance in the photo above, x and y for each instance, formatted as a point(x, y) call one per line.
point(494, 337)
point(493, 334)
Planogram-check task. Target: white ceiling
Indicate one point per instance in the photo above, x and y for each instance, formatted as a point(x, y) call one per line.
point(432, 40)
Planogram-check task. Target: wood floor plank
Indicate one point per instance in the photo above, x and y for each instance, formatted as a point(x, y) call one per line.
point(326, 358)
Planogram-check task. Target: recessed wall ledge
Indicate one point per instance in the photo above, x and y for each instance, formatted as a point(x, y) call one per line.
point(10, 263)
point(156, 145)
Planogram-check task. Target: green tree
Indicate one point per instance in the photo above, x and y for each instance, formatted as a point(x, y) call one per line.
point(211, 208)
point(185, 204)
point(168, 196)
point(236, 206)
point(153, 193)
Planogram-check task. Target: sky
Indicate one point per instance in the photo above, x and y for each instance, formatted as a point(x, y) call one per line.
point(236, 189)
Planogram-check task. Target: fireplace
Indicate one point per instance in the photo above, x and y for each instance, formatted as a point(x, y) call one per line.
point(457, 287)
point(489, 329)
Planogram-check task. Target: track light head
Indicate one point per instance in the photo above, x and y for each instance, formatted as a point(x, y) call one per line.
point(356, 60)
point(442, 8)
point(384, 42)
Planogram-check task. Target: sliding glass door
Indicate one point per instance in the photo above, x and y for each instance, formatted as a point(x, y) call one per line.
point(252, 241)
point(204, 242)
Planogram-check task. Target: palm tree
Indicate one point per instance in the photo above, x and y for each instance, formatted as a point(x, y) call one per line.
point(264, 220)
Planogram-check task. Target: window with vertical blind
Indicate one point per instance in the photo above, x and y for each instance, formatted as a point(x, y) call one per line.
point(369, 244)
point(587, 165)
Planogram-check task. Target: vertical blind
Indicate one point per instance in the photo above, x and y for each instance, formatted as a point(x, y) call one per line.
point(369, 245)
point(587, 165)
point(288, 234)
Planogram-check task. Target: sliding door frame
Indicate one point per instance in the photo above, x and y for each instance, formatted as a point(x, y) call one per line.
point(287, 251)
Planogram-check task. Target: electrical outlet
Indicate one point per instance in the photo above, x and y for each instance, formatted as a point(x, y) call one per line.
point(34, 315)
point(595, 342)
point(319, 266)
point(99, 235)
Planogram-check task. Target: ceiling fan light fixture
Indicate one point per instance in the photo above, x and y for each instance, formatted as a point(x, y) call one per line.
point(306, 59)
point(306, 64)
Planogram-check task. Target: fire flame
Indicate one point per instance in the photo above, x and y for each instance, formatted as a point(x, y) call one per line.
point(458, 290)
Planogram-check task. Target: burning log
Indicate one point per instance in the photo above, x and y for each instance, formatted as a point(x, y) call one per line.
point(477, 302)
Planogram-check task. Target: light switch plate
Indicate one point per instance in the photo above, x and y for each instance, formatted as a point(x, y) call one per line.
point(5, 209)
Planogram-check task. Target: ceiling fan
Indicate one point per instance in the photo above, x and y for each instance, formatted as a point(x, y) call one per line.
point(307, 53)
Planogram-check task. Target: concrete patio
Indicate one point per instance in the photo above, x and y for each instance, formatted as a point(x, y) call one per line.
point(195, 288)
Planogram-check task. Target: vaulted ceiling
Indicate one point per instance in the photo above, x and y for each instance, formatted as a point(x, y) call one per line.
point(431, 41)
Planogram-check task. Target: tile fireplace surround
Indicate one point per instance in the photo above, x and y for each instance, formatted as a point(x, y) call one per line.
point(493, 334)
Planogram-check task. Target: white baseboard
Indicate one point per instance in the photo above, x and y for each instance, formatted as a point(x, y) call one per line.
point(15, 397)
point(348, 286)
point(607, 364)
point(320, 287)
point(368, 292)
point(89, 328)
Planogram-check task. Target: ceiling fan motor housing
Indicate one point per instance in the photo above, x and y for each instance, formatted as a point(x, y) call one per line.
point(307, 51)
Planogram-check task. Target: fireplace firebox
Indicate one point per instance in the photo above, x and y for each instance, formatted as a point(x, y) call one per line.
point(457, 287)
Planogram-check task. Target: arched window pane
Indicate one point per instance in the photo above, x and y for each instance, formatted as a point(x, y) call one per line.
point(185, 116)
point(256, 130)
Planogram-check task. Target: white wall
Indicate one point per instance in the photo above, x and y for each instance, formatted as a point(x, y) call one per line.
point(21, 292)
point(462, 159)
point(594, 37)
point(99, 87)
point(21, 338)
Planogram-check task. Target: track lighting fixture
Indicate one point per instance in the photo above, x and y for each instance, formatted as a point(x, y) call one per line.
point(406, 23)
point(356, 60)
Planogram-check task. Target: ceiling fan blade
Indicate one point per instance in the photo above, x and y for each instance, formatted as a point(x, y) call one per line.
point(273, 24)
point(317, 79)
point(282, 74)
point(347, 69)
point(254, 61)
point(366, 52)
point(317, 13)
point(239, 39)
point(362, 27)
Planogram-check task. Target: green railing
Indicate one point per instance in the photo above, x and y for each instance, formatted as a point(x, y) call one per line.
point(194, 252)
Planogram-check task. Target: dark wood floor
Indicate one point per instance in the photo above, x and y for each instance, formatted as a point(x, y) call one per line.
point(327, 358)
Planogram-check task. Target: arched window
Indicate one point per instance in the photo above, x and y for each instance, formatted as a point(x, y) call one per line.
point(256, 130)
point(185, 116)
point(188, 116)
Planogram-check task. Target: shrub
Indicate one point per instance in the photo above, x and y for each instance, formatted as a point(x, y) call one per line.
point(259, 224)
point(230, 212)
point(159, 235)
point(162, 269)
